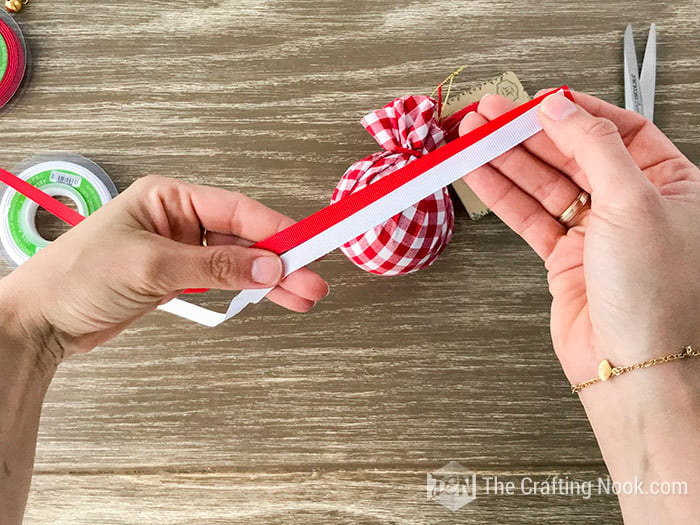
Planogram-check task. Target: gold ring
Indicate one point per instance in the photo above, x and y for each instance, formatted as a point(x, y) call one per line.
point(203, 237)
point(581, 202)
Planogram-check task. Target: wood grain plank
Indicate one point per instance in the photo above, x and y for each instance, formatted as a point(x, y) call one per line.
point(400, 375)
point(370, 497)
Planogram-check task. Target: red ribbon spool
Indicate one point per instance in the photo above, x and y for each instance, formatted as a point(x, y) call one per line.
point(13, 52)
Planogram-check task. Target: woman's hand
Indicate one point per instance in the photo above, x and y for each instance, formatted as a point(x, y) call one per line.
point(142, 249)
point(136, 252)
point(623, 280)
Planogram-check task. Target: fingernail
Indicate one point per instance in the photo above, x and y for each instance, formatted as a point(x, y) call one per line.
point(558, 107)
point(266, 270)
point(487, 95)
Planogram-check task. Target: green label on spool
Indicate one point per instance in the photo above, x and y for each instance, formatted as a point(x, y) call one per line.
point(3, 58)
point(21, 232)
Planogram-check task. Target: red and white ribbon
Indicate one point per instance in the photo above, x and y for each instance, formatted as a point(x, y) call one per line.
point(329, 228)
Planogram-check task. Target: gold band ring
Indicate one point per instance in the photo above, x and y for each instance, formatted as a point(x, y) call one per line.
point(581, 202)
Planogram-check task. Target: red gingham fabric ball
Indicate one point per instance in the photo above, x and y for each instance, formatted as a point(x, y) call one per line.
point(405, 129)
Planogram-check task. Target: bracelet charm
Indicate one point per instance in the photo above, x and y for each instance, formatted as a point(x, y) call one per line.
point(606, 370)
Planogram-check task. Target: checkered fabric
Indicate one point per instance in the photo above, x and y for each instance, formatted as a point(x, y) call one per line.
point(405, 129)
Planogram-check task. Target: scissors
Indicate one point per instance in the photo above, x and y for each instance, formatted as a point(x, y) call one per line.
point(639, 87)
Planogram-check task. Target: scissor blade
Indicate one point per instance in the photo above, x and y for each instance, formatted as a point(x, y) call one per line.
point(647, 79)
point(633, 97)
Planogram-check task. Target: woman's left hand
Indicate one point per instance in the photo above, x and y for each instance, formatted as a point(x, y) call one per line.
point(143, 249)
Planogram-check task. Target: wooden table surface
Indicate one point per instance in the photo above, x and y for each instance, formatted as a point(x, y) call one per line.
point(335, 416)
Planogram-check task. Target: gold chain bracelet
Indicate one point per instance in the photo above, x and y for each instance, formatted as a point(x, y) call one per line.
point(606, 370)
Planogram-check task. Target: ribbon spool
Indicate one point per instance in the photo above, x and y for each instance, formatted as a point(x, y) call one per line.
point(59, 175)
point(13, 58)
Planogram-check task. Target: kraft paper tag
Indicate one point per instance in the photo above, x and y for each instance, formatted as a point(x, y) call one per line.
point(507, 85)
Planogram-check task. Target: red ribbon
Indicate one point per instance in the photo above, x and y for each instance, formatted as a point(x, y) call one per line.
point(52, 205)
point(451, 124)
point(16, 63)
point(43, 199)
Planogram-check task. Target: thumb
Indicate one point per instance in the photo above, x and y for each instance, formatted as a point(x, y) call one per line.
point(597, 147)
point(226, 267)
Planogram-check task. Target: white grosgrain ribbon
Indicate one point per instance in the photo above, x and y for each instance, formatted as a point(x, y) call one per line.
point(514, 128)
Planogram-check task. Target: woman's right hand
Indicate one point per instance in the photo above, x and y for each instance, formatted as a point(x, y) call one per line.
point(625, 282)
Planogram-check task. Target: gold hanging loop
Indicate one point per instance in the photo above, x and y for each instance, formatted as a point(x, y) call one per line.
point(438, 90)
